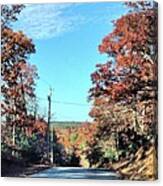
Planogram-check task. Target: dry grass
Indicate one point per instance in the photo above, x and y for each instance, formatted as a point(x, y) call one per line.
point(143, 166)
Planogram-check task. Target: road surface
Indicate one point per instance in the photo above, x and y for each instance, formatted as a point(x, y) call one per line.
point(76, 173)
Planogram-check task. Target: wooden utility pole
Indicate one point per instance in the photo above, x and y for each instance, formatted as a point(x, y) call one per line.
point(50, 129)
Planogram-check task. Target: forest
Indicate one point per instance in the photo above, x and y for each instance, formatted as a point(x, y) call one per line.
point(123, 133)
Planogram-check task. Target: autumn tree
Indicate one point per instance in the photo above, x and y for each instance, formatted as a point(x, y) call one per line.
point(124, 91)
point(18, 75)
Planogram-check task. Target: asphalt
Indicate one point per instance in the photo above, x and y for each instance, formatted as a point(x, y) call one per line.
point(77, 173)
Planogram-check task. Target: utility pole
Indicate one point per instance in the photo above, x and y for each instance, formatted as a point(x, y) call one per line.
point(50, 129)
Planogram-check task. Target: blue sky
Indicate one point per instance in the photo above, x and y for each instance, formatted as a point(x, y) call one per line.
point(66, 37)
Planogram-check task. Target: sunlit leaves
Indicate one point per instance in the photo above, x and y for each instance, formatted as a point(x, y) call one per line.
point(124, 91)
point(18, 86)
point(18, 76)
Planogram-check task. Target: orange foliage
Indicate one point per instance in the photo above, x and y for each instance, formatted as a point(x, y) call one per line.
point(84, 134)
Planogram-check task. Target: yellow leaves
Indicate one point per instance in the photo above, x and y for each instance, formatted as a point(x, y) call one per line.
point(84, 162)
point(75, 137)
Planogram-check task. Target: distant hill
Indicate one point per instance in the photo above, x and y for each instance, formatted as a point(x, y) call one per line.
point(65, 124)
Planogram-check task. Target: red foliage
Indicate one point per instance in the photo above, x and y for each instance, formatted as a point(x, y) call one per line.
point(131, 76)
point(18, 76)
point(39, 126)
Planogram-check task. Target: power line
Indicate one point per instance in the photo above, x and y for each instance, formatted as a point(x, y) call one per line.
point(70, 103)
point(65, 103)
point(61, 102)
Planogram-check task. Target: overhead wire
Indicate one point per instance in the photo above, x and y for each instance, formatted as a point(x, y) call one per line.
point(64, 102)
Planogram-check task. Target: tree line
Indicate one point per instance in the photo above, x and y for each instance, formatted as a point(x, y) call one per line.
point(123, 94)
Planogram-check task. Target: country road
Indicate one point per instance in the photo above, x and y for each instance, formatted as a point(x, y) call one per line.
point(77, 173)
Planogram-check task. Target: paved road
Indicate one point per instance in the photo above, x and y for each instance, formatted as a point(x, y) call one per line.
point(76, 173)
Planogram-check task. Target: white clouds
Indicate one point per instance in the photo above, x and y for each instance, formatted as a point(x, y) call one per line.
point(43, 21)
